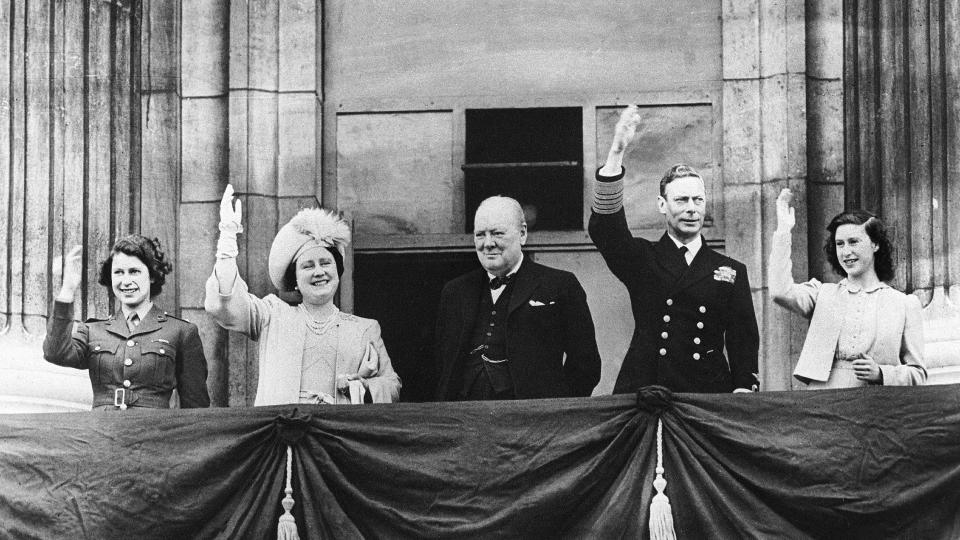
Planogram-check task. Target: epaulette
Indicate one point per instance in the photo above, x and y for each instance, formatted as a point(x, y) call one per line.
point(172, 316)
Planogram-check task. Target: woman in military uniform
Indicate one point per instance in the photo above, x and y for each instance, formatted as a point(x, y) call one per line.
point(309, 351)
point(137, 357)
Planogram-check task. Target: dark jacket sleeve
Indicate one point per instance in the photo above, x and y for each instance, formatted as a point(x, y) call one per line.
point(610, 232)
point(581, 370)
point(59, 346)
point(191, 369)
point(742, 336)
point(441, 364)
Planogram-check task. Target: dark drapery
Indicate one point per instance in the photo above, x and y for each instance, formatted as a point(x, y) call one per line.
point(863, 463)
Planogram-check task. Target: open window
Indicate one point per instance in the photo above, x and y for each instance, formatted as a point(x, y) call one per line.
point(532, 155)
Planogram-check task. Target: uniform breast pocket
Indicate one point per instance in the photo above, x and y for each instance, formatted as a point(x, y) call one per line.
point(159, 363)
point(103, 362)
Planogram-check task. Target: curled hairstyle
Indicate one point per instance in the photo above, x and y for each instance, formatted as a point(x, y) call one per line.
point(677, 171)
point(882, 258)
point(148, 251)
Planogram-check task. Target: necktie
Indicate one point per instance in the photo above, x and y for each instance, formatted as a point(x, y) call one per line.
point(132, 321)
point(498, 282)
point(682, 251)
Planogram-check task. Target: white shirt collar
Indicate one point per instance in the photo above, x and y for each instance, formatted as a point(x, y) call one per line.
point(693, 246)
point(141, 311)
point(512, 270)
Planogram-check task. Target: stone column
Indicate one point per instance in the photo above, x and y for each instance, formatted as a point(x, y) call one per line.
point(204, 64)
point(764, 140)
point(274, 153)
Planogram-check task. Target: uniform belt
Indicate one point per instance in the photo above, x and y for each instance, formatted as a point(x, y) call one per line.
point(123, 396)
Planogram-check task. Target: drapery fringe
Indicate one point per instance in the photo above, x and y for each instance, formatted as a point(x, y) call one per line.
point(287, 527)
point(661, 516)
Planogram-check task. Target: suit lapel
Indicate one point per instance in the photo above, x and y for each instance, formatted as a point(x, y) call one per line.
point(524, 284)
point(118, 325)
point(149, 322)
point(702, 266)
point(669, 259)
point(470, 303)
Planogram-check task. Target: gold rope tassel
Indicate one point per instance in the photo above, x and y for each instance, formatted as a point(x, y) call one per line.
point(661, 518)
point(287, 528)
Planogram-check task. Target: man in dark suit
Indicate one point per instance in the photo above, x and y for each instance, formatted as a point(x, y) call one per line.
point(503, 329)
point(689, 302)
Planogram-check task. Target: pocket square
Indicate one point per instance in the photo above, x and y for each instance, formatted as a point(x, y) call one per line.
point(725, 273)
point(536, 303)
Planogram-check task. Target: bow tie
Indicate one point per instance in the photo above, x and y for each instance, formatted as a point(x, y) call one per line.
point(498, 282)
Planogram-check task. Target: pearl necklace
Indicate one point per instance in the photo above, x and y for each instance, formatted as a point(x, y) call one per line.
point(320, 327)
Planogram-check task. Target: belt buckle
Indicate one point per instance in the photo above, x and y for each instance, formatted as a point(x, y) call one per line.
point(119, 398)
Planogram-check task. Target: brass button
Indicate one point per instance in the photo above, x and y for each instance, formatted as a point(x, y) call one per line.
point(163, 351)
point(700, 325)
point(669, 301)
point(663, 352)
point(696, 356)
point(126, 384)
point(130, 343)
point(666, 318)
point(128, 362)
point(696, 341)
point(664, 335)
point(123, 406)
point(703, 309)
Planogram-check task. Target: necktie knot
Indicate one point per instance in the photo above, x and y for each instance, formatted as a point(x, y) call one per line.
point(133, 320)
point(682, 252)
point(499, 281)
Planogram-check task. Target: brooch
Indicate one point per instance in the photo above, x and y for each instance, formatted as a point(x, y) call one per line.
point(725, 273)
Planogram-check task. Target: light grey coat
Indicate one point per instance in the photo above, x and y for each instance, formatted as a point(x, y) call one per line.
point(281, 330)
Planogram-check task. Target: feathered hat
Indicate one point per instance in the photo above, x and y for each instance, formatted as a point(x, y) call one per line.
point(310, 228)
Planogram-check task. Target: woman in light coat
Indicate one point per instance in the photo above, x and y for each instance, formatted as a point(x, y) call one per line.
point(862, 331)
point(309, 350)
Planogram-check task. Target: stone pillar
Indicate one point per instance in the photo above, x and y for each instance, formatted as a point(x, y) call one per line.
point(203, 129)
point(274, 153)
point(764, 140)
point(825, 150)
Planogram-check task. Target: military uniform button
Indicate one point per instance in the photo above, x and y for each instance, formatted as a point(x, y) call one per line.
point(489, 334)
point(123, 406)
point(664, 335)
point(666, 318)
point(663, 352)
point(163, 351)
point(130, 343)
point(696, 341)
point(494, 312)
point(703, 309)
point(700, 325)
point(696, 356)
point(97, 348)
point(128, 362)
point(126, 384)
point(669, 301)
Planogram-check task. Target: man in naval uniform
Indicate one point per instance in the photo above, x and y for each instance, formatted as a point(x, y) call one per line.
point(513, 329)
point(691, 305)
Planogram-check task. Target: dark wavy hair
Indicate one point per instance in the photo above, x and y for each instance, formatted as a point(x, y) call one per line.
point(677, 171)
point(882, 258)
point(148, 251)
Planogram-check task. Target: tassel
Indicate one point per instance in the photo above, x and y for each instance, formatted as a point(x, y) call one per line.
point(287, 527)
point(661, 517)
